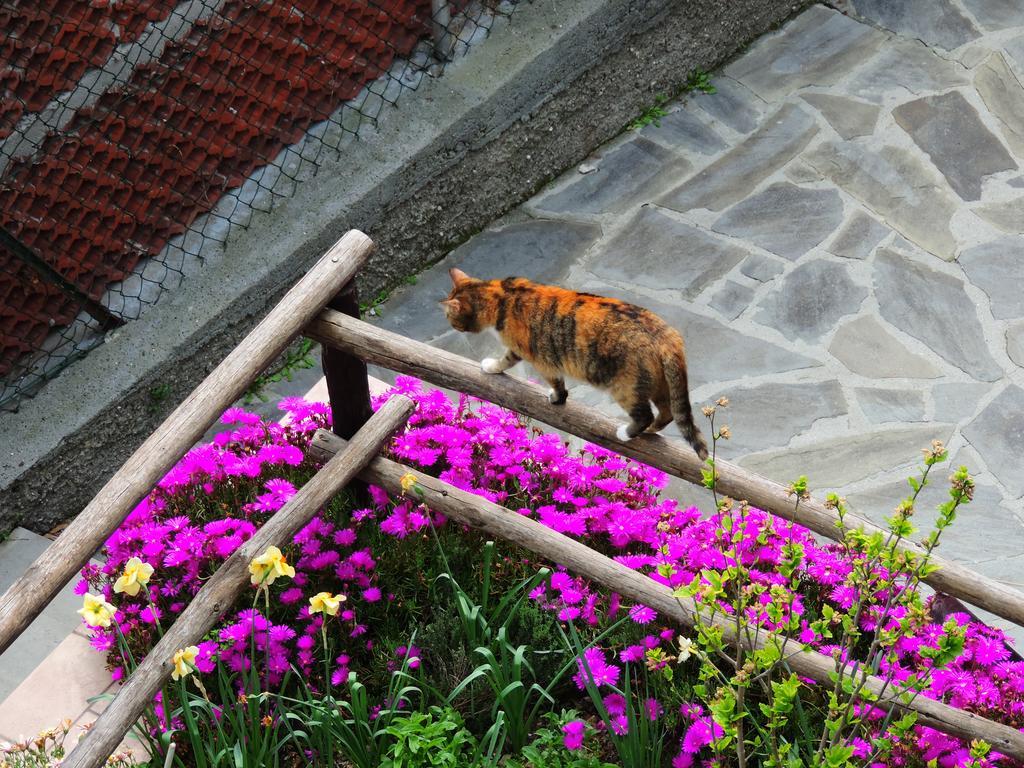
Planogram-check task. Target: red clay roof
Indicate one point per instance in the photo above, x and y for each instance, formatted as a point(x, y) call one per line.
point(138, 167)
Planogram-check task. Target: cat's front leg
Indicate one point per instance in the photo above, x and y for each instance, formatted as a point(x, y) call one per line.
point(499, 365)
point(558, 394)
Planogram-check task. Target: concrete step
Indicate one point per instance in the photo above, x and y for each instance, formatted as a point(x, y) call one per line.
point(55, 623)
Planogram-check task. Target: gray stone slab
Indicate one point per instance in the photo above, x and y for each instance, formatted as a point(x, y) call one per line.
point(1003, 94)
point(997, 434)
point(57, 620)
point(687, 131)
point(839, 461)
point(905, 67)
point(731, 104)
point(477, 346)
point(622, 176)
point(936, 22)
point(1015, 343)
point(770, 415)
point(800, 172)
point(998, 269)
point(948, 129)
point(933, 307)
point(714, 351)
point(849, 117)
point(1015, 50)
point(867, 348)
point(816, 48)
point(858, 237)
point(957, 400)
point(1003, 533)
point(807, 217)
point(907, 195)
point(541, 250)
point(731, 299)
point(996, 14)
point(730, 178)
point(1016, 182)
point(810, 300)
point(880, 406)
point(1007, 215)
point(762, 268)
point(657, 251)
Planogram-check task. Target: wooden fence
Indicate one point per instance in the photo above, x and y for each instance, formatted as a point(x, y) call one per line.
point(323, 305)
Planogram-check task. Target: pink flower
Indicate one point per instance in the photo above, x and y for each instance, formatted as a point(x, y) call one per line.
point(703, 731)
point(573, 734)
point(594, 666)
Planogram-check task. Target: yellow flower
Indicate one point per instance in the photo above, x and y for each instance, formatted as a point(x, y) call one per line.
point(408, 482)
point(269, 566)
point(325, 602)
point(136, 574)
point(184, 661)
point(96, 611)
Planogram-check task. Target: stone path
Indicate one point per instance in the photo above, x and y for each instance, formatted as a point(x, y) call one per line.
point(837, 232)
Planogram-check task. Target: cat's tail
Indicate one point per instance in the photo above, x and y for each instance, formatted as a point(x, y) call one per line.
point(679, 397)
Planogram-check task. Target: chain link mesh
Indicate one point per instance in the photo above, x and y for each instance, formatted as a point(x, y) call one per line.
point(136, 134)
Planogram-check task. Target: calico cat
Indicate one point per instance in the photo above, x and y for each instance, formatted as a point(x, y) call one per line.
point(608, 343)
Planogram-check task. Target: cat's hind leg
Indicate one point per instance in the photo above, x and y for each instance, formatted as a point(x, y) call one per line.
point(664, 417)
point(558, 394)
point(635, 401)
point(499, 365)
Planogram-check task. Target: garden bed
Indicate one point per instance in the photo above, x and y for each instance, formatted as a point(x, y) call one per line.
point(392, 636)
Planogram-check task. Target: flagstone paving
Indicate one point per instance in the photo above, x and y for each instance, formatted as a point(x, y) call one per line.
point(837, 233)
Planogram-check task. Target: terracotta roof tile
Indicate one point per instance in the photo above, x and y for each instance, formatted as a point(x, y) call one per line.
point(138, 166)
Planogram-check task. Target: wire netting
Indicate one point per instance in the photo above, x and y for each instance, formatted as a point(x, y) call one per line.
point(136, 134)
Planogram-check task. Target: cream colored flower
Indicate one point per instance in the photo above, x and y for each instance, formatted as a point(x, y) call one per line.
point(325, 602)
point(408, 482)
point(685, 648)
point(269, 566)
point(136, 575)
point(96, 611)
point(184, 662)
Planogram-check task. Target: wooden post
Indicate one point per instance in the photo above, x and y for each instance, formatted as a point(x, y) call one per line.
point(389, 350)
point(224, 587)
point(477, 512)
point(179, 432)
point(347, 385)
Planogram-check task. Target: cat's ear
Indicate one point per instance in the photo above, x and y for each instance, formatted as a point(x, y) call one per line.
point(458, 276)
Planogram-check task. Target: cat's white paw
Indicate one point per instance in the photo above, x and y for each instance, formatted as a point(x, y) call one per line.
point(491, 365)
point(553, 396)
point(622, 433)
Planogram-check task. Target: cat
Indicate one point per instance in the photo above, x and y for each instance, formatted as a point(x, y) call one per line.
point(626, 349)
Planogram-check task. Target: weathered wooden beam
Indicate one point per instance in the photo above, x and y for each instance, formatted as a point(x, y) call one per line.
point(495, 520)
point(224, 587)
point(51, 571)
point(390, 350)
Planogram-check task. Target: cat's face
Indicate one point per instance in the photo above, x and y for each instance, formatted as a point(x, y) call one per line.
point(461, 305)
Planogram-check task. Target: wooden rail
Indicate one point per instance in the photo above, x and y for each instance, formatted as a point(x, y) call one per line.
point(23, 601)
point(495, 520)
point(231, 578)
point(390, 350)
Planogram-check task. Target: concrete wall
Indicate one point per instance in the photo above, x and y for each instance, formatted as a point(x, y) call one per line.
point(542, 93)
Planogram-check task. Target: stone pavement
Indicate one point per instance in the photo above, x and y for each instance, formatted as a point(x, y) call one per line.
point(837, 233)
